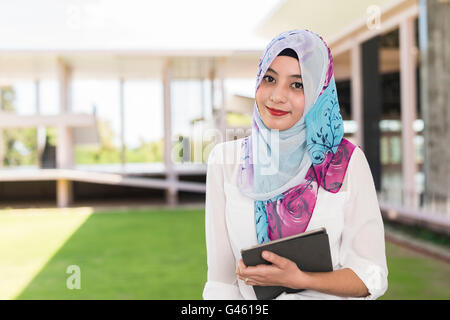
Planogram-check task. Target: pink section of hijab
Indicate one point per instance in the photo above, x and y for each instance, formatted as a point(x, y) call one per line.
point(290, 214)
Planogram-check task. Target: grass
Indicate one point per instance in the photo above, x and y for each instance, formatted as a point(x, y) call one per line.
point(28, 241)
point(415, 276)
point(148, 254)
point(124, 255)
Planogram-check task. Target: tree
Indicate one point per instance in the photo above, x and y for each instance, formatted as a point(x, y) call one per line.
point(20, 144)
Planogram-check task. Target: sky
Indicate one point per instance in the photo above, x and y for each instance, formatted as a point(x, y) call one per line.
point(28, 25)
point(132, 24)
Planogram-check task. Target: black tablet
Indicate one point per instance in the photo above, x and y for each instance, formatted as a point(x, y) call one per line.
point(309, 250)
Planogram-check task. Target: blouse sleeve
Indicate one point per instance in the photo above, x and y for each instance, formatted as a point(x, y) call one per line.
point(362, 243)
point(222, 281)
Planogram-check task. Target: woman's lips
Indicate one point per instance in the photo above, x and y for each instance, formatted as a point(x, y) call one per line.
point(276, 112)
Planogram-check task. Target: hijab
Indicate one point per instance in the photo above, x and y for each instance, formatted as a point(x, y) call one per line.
point(282, 170)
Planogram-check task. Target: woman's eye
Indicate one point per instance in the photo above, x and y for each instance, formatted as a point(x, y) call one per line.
point(268, 78)
point(298, 85)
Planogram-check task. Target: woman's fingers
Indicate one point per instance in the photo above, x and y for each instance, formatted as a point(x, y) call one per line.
point(246, 274)
point(275, 259)
point(262, 274)
point(241, 266)
point(266, 275)
point(251, 283)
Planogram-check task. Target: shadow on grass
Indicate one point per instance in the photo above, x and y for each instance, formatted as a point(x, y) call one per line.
point(129, 255)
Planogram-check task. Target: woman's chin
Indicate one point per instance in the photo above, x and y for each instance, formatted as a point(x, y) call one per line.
point(278, 125)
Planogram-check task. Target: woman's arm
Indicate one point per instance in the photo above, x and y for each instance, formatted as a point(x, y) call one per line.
point(343, 282)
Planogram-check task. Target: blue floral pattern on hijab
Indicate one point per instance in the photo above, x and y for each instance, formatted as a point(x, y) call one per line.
point(325, 128)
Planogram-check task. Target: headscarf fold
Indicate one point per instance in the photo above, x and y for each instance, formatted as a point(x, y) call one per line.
point(282, 170)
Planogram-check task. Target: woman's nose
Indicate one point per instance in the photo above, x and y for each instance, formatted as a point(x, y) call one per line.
point(278, 95)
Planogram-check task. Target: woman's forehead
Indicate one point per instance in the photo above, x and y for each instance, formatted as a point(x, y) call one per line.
point(285, 65)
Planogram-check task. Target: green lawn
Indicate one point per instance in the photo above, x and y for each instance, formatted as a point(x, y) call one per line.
point(157, 254)
point(415, 276)
point(122, 255)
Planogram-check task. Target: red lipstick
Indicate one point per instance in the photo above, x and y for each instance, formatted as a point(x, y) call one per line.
point(276, 112)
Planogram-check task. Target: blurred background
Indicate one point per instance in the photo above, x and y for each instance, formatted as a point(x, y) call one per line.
point(113, 107)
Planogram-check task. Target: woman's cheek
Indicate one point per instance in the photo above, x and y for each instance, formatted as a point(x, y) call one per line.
point(259, 100)
point(298, 110)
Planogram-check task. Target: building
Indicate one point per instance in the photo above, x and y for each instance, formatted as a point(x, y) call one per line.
point(384, 53)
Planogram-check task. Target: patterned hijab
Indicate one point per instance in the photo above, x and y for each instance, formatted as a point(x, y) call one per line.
point(282, 170)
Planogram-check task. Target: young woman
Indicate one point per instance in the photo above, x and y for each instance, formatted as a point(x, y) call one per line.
point(295, 173)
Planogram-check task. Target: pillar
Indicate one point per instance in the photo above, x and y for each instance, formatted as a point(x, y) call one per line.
point(64, 149)
point(371, 91)
point(435, 69)
point(408, 93)
point(223, 112)
point(171, 192)
point(2, 148)
point(356, 91)
point(122, 123)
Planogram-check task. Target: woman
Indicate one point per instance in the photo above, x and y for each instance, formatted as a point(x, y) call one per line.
point(295, 173)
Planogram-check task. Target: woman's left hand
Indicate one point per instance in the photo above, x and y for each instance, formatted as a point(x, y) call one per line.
point(282, 272)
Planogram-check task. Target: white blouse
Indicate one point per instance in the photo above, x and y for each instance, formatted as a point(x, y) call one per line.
point(351, 217)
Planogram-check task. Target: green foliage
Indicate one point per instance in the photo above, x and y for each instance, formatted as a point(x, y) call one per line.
point(20, 145)
point(52, 136)
point(199, 149)
point(236, 119)
point(147, 152)
point(94, 155)
point(420, 232)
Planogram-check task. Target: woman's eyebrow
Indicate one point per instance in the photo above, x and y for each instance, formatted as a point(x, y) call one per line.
point(292, 75)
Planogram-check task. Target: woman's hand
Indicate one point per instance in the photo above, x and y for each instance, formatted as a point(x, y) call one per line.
point(282, 272)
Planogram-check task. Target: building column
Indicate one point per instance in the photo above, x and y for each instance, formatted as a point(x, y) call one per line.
point(371, 91)
point(356, 89)
point(40, 130)
point(171, 192)
point(435, 69)
point(212, 76)
point(64, 191)
point(64, 149)
point(223, 112)
point(408, 93)
point(2, 147)
point(122, 123)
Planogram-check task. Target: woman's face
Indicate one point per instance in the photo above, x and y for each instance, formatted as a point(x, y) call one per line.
point(280, 97)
